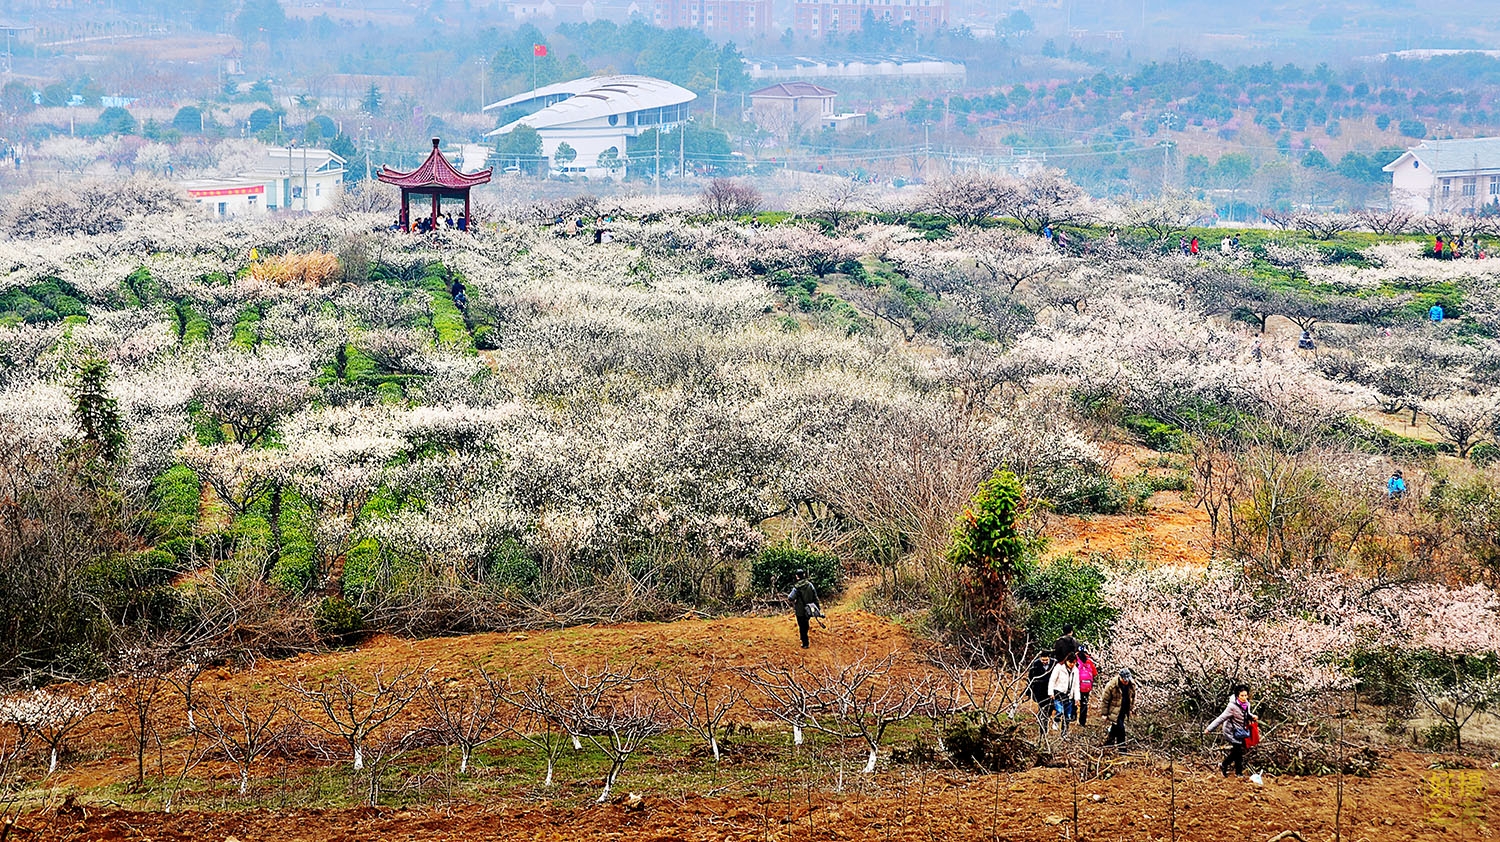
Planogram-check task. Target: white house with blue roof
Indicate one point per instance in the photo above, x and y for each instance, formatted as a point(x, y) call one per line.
point(1447, 175)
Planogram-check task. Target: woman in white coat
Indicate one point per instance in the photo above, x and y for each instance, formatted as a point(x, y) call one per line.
point(1064, 690)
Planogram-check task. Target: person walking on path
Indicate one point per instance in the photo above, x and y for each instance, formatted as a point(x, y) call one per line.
point(804, 599)
point(1037, 679)
point(1065, 645)
point(1118, 702)
point(1435, 313)
point(1064, 691)
point(1234, 722)
point(1087, 669)
point(1395, 488)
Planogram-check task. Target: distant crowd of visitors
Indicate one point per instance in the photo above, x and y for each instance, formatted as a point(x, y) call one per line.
point(1455, 247)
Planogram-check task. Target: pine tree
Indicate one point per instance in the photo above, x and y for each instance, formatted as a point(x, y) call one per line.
point(98, 414)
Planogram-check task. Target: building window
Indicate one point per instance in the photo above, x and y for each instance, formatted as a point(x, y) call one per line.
point(1471, 186)
point(223, 208)
point(318, 189)
point(614, 119)
point(1494, 186)
point(1447, 187)
point(250, 200)
point(296, 192)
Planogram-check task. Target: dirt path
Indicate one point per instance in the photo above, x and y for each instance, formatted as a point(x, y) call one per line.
point(1171, 532)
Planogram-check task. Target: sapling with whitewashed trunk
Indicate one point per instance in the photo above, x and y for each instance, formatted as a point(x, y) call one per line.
point(352, 708)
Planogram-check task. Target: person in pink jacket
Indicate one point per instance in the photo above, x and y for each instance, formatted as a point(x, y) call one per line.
point(1087, 669)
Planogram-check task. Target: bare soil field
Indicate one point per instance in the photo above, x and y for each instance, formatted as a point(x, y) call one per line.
point(762, 791)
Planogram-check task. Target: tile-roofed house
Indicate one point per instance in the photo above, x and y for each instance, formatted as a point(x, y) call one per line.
point(787, 107)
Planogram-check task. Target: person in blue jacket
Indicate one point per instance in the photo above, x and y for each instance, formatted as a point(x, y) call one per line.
point(1395, 488)
point(1435, 312)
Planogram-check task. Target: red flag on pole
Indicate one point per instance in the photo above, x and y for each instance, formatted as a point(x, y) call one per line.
point(539, 50)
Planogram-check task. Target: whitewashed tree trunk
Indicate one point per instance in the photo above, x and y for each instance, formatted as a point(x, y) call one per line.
point(796, 735)
point(244, 781)
point(609, 782)
point(577, 744)
point(463, 760)
point(548, 782)
point(713, 743)
point(52, 762)
point(359, 757)
point(870, 764)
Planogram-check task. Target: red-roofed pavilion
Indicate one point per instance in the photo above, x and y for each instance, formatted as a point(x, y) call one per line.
point(436, 178)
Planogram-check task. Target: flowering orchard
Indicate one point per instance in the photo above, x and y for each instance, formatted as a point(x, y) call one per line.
point(330, 428)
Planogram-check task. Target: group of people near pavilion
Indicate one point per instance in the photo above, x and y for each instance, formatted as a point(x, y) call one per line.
point(439, 180)
point(425, 225)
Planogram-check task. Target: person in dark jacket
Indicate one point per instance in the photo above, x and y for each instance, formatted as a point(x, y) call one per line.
point(1235, 725)
point(1065, 646)
point(1118, 701)
point(1037, 677)
point(804, 599)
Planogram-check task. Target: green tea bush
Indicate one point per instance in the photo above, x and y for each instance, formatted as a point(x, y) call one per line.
point(337, 622)
point(775, 570)
point(246, 329)
point(1077, 490)
point(46, 301)
point(174, 501)
point(1065, 592)
point(1156, 435)
point(1484, 454)
point(133, 589)
point(511, 566)
point(192, 328)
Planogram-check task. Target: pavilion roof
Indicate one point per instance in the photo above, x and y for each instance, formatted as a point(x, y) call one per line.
point(434, 172)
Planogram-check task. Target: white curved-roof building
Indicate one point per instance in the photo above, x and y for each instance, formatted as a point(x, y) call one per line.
point(595, 115)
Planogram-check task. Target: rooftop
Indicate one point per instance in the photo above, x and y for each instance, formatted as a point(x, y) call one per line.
point(434, 172)
point(603, 96)
point(793, 90)
point(1455, 155)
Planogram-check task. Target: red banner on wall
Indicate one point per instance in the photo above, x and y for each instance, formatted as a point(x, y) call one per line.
point(228, 191)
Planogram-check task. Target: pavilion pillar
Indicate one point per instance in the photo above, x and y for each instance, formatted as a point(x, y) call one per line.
point(405, 210)
point(468, 219)
point(435, 211)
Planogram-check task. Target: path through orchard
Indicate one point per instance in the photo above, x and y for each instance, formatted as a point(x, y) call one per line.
point(901, 802)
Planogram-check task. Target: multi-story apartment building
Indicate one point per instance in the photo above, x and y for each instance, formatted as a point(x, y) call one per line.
point(715, 17)
point(822, 18)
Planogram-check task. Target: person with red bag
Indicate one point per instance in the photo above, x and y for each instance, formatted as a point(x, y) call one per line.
point(1087, 669)
point(1238, 725)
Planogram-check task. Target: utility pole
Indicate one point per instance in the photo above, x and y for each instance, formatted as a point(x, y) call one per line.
point(304, 177)
point(926, 147)
point(656, 168)
point(716, 96)
point(682, 149)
